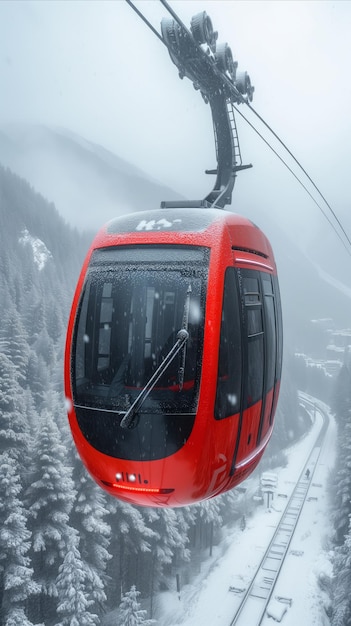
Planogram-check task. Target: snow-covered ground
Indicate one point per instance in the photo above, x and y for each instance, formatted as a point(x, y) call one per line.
point(208, 600)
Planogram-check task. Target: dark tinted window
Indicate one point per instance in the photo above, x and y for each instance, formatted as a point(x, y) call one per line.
point(254, 331)
point(230, 358)
point(135, 301)
point(279, 327)
point(270, 328)
point(250, 350)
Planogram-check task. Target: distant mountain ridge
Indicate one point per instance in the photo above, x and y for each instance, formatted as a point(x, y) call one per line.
point(89, 184)
point(34, 236)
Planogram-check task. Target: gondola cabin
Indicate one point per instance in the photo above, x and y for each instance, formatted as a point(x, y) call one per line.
point(173, 355)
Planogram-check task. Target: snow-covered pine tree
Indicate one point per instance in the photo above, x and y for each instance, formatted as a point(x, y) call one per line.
point(13, 342)
point(73, 589)
point(130, 613)
point(37, 379)
point(14, 429)
point(88, 515)
point(16, 582)
point(231, 505)
point(130, 539)
point(341, 494)
point(16, 575)
point(341, 583)
point(34, 313)
point(186, 519)
point(168, 544)
point(49, 499)
point(31, 419)
point(342, 473)
point(44, 347)
point(54, 318)
point(208, 519)
point(342, 481)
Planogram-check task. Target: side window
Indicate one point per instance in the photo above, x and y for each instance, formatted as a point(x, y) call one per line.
point(83, 342)
point(271, 348)
point(106, 310)
point(230, 357)
point(255, 337)
point(279, 327)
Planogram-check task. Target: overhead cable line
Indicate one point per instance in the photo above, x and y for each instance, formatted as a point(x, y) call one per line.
point(140, 14)
point(300, 166)
point(240, 98)
point(299, 181)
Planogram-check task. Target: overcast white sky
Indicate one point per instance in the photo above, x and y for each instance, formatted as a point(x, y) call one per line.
point(95, 68)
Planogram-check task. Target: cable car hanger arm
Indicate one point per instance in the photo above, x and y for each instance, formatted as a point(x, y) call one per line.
point(211, 69)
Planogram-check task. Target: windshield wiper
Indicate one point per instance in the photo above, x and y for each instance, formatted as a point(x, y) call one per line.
point(185, 326)
point(182, 338)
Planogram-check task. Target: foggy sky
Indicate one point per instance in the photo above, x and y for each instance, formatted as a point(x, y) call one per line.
point(95, 68)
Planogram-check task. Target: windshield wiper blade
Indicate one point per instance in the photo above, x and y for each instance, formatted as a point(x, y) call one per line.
point(182, 338)
point(181, 370)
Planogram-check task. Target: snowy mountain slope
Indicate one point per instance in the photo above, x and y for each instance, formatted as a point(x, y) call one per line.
point(307, 291)
point(41, 254)
point(88, 184)
point(338, 284)
point(34, 236)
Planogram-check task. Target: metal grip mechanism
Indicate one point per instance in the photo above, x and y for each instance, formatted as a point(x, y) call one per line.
point(212, 70)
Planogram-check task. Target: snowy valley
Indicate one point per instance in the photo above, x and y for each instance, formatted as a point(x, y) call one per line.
point(70, 535)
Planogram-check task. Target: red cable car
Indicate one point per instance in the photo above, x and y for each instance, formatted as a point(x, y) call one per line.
point(192, 297)
point(174, 343)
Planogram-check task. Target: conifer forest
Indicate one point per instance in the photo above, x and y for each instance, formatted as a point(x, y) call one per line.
point(69, 553)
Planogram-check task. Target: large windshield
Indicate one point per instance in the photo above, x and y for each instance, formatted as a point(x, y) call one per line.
point(135, 301)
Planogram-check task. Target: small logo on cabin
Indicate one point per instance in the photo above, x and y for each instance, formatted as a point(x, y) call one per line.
point(161, 224)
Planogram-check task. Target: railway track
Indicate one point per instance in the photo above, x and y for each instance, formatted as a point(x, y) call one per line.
point(255, 600)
